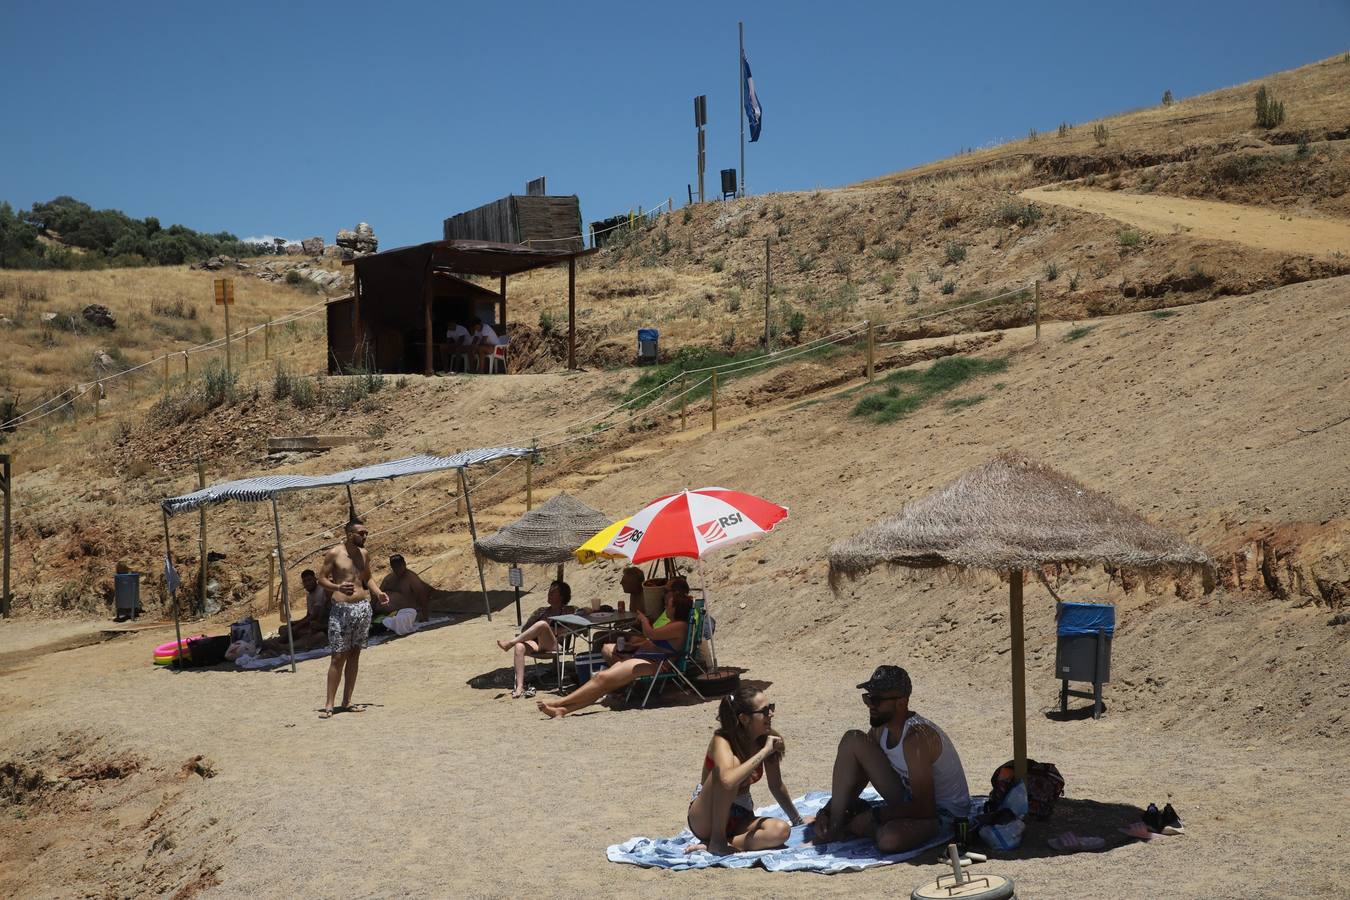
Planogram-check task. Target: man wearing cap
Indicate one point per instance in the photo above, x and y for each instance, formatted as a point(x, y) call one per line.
point(910, 761)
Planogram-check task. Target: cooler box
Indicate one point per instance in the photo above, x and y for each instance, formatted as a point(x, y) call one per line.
point(648, 339)
point(1076, 651)
point(588, 664)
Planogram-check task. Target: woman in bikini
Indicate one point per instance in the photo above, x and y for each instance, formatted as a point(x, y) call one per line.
point(668, 640)
point(743, 750)
point(536, 635)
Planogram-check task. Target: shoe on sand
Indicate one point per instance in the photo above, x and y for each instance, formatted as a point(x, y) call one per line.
point(1153, 818)
point(1170, 819)
point(1068, 842)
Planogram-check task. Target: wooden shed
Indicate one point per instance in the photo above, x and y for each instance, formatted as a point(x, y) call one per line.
point(552, 222)
point(403, 300)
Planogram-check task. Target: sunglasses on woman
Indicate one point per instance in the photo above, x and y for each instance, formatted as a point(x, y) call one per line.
point(766, 710)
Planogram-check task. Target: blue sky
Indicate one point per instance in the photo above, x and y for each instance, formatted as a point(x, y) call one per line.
point(295, 119)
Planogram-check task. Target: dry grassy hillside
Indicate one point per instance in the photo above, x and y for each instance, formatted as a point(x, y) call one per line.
point(51, 348)
point(956, 231)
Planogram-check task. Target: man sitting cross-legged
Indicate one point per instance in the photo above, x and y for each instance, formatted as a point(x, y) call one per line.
point(309, 632)
point(910, 761)
point(405, 589)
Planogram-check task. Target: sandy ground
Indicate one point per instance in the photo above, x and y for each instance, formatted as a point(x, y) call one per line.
point(1232, 706)
point(1208, 220)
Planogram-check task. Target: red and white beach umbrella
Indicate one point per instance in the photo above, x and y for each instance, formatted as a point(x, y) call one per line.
point(691, 523)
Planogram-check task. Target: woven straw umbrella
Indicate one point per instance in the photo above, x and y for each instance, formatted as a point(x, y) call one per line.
point(1009, 515)
point(545, 535)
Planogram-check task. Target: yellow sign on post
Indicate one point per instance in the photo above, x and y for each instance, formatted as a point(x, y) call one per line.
point(225, 298)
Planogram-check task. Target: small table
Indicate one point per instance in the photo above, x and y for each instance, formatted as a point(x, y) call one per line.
point(585, 626)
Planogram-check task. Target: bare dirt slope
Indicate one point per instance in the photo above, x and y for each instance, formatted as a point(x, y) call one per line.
point(1209, 220)
point(1232, 705)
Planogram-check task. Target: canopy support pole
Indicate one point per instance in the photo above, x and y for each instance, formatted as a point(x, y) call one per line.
point(285, 591)
point(703, 586)
point(1019, 686)
point(473, 536)
point(177, 628)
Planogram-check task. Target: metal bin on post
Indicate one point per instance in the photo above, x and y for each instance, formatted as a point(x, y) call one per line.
point(1083, 650)
point(127, 594)
point(648, 349)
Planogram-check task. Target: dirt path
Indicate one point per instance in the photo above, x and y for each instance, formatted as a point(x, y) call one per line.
point(1207, 219)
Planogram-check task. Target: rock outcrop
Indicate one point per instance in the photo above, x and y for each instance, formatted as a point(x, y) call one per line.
point(99, 316)
point(360, 241)
point(312, 246)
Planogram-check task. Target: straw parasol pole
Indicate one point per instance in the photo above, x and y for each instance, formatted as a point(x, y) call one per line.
point(1011, 515)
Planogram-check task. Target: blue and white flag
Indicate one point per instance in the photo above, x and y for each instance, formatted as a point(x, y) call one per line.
point(753, 113)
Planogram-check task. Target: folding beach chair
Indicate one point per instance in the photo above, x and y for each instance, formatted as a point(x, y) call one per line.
point(557, 657)
point(675, 668)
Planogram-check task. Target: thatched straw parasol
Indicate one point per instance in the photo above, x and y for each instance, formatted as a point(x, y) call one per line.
point(544, 535)
point(1009, 515)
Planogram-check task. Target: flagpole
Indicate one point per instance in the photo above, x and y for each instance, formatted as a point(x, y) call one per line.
point(740, 86)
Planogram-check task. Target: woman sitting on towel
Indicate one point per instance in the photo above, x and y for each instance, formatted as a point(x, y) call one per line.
point(668, 640)
point(743, 750)
point(536, 635)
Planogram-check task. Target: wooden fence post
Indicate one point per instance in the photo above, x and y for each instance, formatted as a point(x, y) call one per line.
point(871, 350)
point(267, 339)
point(166, 375)
point(187, 373)
point(684, 404)
point(1038, 309)
point(529, 482)
point(714, 401)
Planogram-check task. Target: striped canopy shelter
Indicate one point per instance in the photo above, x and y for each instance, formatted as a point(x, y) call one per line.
point(266, 488)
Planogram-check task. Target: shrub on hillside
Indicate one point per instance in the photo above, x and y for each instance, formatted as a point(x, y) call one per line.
point(1269, 111)
point(1012, 212)
point(1101, 134)
point(1167, 97)
point(956, 252)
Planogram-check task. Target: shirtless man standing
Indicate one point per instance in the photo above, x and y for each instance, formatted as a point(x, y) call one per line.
point(345, 573)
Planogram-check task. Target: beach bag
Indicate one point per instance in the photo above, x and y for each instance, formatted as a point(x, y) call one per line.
point(209, 651)
point(1044, 786)
point(1000, 825)
point(247, 630)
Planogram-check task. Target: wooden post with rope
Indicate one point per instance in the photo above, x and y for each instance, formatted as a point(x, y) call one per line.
point(529, 475)
point(267, 339)
point(6, 485)
point(166, 375)
point(871, 350)
point(684, 402)
point(201, 581)
point(1037, 302)
point(187, 372)
point(714, 401)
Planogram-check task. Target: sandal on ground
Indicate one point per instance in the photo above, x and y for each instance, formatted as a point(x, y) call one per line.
point(530, 691)
point(1068, 842)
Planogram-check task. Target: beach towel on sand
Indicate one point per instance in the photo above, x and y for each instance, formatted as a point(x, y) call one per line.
point(797, 856)
point(271, 662)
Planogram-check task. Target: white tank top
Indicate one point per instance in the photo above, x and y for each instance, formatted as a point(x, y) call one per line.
point(950, 791)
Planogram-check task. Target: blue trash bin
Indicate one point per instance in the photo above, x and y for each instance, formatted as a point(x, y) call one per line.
point(648, 349)
point(1083, 650)
point(127, 593)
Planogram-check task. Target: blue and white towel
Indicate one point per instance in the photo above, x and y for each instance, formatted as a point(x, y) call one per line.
point(798, 856)
point(272, 662)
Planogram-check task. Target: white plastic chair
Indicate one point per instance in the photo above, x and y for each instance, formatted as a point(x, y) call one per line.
point(498, 355)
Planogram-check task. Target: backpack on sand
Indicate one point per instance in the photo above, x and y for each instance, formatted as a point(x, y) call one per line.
point(1044, 786)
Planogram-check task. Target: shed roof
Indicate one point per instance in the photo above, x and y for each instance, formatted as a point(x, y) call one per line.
point(468, 257)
